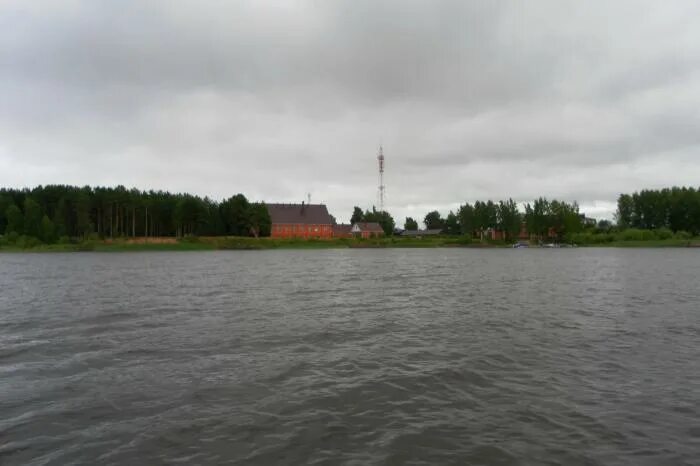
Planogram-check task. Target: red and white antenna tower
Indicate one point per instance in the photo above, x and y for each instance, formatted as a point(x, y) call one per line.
point(382, 188)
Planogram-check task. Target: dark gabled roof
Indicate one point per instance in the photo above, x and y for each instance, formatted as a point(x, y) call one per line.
point(371, 227)
point(307, 214)
point(342, 229)
point(421, 232)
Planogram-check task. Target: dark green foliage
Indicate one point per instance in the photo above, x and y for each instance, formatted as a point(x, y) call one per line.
point(509, 218)
point(357, 215)
point(625, 209)
point(235, 211)
point(485, 215)
point(81, 215)
point(543, 219)
point(564, 219)
point(28, 242)
point(259, 218)
point(48, 230)
point(537, 218)
point(433, 221)
point(5, 202)
point(661, 236)
point(410, 224)
point(382, 218)
point(677, 209)
point(552, 219)
point(15, 220)
point(48, 213)
point(11, 237)
point(211, 222)
point(60, 218)
point(463, 240)
point(466, 219)
point(189, 215)
point(452, 224)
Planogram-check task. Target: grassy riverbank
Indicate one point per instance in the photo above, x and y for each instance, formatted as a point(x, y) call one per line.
point(660, 243)
point(244, 243)
point(238, 243)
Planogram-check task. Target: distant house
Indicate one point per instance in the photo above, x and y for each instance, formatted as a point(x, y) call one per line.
point(587, 221)
point(525, 234)
point(420, 233)
point(367, 229)
point(300, 221)
point(342, 231)
point(494, 234)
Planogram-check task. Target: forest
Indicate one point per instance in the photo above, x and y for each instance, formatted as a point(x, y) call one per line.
point(676, 209)
point(60, 213)
point(543, 218)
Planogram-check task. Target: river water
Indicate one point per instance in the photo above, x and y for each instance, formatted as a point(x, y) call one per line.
point(432, 356)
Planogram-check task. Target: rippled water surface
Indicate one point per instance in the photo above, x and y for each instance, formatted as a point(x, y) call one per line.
point(440, 356)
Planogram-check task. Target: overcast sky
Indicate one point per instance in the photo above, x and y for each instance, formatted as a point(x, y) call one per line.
point(577, 100)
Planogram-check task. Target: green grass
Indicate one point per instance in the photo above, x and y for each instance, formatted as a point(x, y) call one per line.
point(120, 247)
point(40, 248)
point(103, 246)
point(335, 243)
point(244, 243)
point(656, 243)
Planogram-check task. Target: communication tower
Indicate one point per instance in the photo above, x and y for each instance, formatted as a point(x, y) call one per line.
point(382, 188)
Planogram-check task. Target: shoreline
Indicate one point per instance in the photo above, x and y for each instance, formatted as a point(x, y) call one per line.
point(262, 244)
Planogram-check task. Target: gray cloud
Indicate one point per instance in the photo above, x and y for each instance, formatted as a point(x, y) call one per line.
point(471, 100)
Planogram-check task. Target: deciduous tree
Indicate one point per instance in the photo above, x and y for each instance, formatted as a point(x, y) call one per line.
point(410, 224)
point(433, 221)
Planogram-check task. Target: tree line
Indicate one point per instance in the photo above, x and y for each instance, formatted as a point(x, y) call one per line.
point(59, 212)
point(677, 209)
point(54, 212)
point(543, 219)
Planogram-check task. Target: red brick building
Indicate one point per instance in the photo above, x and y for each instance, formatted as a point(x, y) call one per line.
point(367, 229)
point(342, 231)
point(300, 221)
point(525, 235)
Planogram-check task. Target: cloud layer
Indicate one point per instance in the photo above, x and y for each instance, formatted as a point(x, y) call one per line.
point(471, 100)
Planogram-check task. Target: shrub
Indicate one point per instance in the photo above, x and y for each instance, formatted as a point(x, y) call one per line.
point(461, 240)
point(27, 242)
point(633, 234)
point(85, 246)
point(683, 235)
point(596, 238)
point(663, 233)
point(11, 237)
point(606, 238)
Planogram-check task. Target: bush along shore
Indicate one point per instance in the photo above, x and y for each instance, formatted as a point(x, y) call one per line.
point(194, 243)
